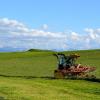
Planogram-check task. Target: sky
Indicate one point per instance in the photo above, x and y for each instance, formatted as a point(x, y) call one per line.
point(50, 24)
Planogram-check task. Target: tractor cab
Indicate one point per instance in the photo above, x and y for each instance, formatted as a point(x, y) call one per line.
point(66, 61)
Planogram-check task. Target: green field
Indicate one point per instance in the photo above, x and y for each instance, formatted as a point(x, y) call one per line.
point(28, 76)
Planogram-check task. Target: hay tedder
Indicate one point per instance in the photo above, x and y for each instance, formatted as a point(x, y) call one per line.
point(68, 68)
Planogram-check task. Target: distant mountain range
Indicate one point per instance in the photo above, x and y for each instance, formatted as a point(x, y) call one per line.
point(9, 49)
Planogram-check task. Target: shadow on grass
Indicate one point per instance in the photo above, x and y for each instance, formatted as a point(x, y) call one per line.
point(93, 80)
point(87, 79)
point(52, 78)
point(29, 77)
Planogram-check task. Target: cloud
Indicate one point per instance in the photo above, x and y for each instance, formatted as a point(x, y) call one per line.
point(75, 36)
point(45, 26)
point(15, 34)
point(90, 39)
point(94, 34)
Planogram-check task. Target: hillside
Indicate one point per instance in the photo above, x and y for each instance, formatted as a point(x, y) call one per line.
point(39, 50)
point(28, 76)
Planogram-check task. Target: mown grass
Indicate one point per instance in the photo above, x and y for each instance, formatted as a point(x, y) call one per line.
point(48, 89)
point(27, 76)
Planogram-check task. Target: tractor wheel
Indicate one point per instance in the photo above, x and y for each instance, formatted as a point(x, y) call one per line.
point(58, 74)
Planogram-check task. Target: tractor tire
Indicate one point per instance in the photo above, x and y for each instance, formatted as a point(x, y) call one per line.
point(58, 74)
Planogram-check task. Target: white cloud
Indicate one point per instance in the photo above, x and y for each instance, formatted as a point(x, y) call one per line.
point(94, 34)
point(75, 36)
point(45, 26)
point(15, 34)
point(89, 40)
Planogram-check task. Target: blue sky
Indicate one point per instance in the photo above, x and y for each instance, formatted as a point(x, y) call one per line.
point(50, 24)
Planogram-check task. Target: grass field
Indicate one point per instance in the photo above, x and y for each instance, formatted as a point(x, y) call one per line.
point(26, 76)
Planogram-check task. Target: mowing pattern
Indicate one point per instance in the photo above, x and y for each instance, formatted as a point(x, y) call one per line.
point(48, 89)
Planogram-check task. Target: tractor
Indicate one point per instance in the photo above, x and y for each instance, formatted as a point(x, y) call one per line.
point(67, 67)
